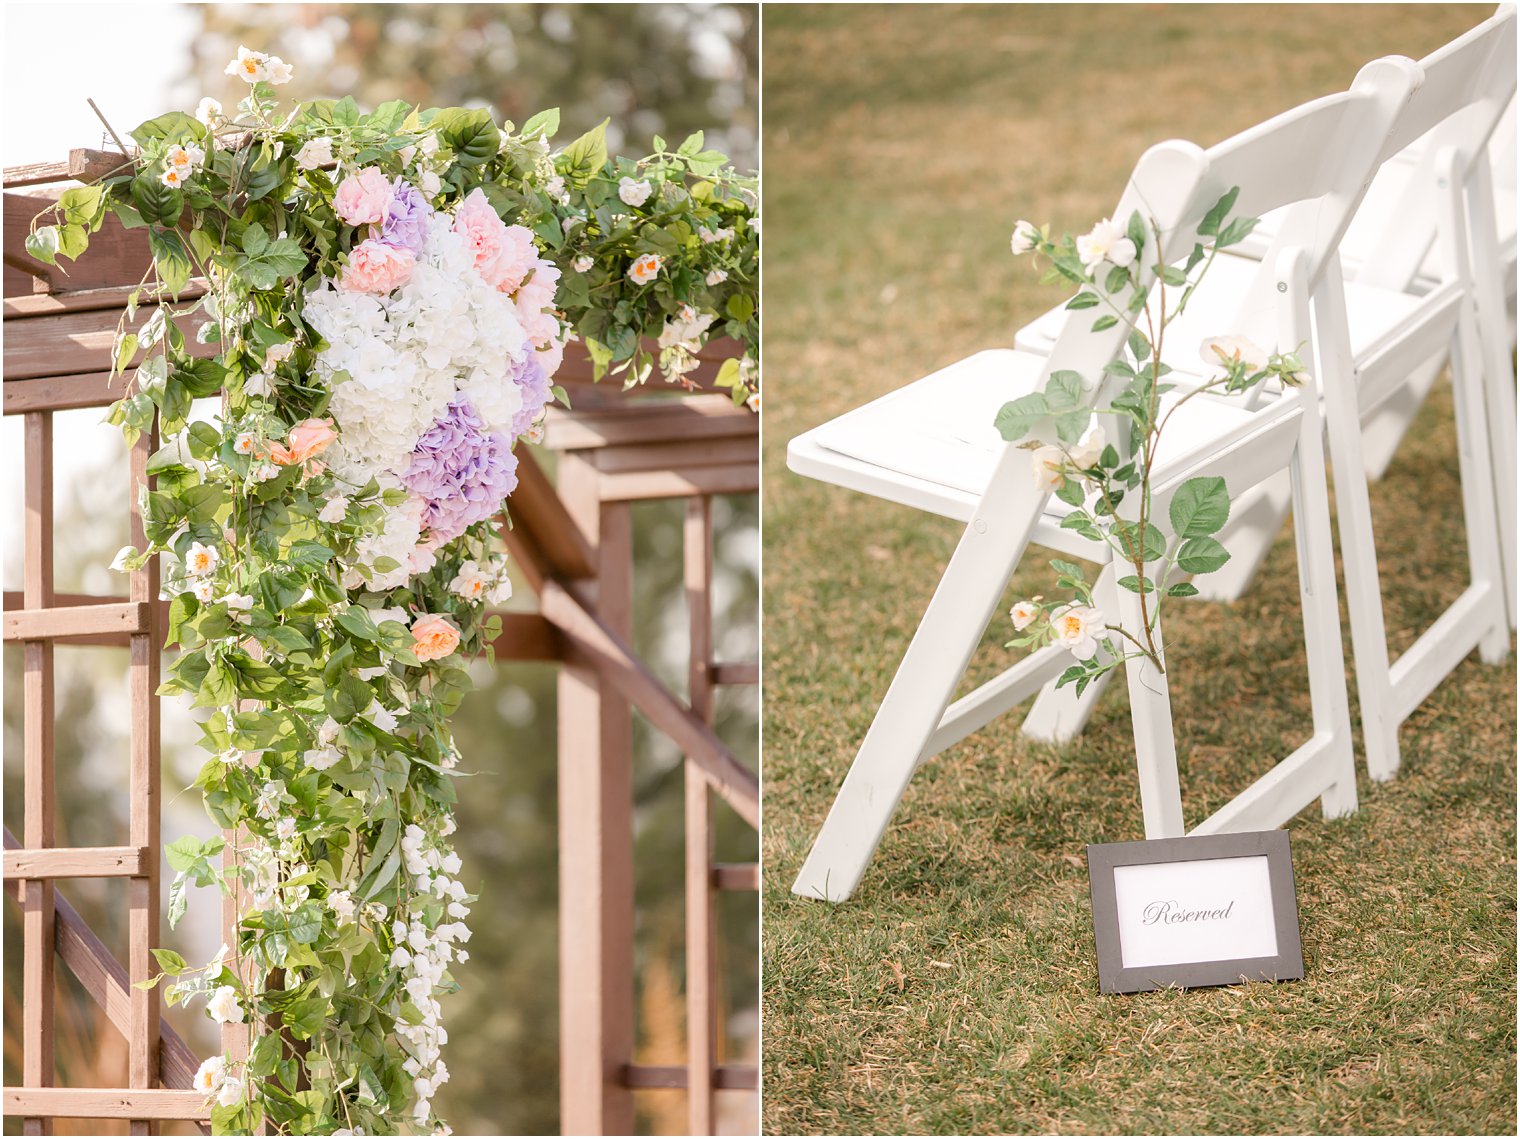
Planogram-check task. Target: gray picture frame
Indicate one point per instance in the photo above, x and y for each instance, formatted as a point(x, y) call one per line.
point(1113, 977)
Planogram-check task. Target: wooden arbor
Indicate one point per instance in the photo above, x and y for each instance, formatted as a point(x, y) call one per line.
point(574, 545)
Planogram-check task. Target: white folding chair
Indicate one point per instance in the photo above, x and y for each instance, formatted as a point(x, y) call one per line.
point(932, 445)
point(1398, 248)
point(1397, 340)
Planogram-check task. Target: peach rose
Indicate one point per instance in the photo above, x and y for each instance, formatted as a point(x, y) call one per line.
point(504, 254)
point(307, 438)
point(435, 637)
point(374, 267)
point(364, 197)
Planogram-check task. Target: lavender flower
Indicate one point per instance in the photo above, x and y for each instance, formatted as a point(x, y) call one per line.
point(461, 471)
point(405, 225)
point(535, 385)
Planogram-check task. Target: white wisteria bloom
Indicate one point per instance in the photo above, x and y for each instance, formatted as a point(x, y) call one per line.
point(223, 1006)
point(201, 560)
point(204, 590)
point(583, 264)
point(1047, 463)
point(278, 353)
point(634, 192)
point(1077, 628)
point(316, 152)
point(381, 716)
point(686, 329)
point(321, 758)
point(1089, 449)
point(285, 829)
point(1025, 237)
point(1105, 242)
point(709, 236)
point(717, 277)
point(256, 384)
point(1023, 614)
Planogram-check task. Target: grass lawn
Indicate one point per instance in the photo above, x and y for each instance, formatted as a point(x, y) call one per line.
point(957, 991)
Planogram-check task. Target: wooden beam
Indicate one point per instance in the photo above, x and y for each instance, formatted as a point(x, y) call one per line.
point(701, 941)
point(82, 165)
point(527, 637)
point(76, 862)
point(76, 621)
point(114, 297)
point(39, 805)
point(726, 1077)
point(727, 451)
point(589, 638)
point(736, 876)
point(639, 486)
point(550, 542)
point(685, 418)
point(105, 979)
point(72, 343)
point(106, 1103)
point(63, 393)
point(734, 672)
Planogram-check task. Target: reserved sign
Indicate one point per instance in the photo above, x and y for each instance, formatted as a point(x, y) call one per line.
point(1210, 910)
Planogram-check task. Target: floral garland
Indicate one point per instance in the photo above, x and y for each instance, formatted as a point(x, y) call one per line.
point(383, 338)
point(1110, 494)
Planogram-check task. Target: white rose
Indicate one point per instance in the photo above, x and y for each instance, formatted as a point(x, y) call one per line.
point(1025, 237)
point(278, 353)
point(316, 152)
point(1024, 614)
point(223, 1006)
point(334, 510)
point(256, 384)
point(249, 66)
point(1089, 449)
point(584, 264)
point(1105, 242)
point(1047, 463)
point(208, 111)
point(1226, 350)
point(429, 183)
point(208, 1076)
point(231, 1091)
point(634, 193)
point(1076, 629)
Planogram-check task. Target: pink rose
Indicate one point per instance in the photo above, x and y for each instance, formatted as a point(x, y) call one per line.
point(364, 197)
point(374, 267)
point(551, 356)
point(504, 254)
point(540, 326)
point(537, 292)
point(434, 637)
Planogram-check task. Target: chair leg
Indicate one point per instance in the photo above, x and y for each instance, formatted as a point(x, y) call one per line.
point(1059, 714)
point(1255, 522)
point(1491, 298)
point(1150, 703)
point(936, 659)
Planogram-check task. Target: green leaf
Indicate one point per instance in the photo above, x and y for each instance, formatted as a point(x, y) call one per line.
point(157, 202)
point(1236, 232)
point(692, 145)
point(172, 127)
point(1182, 589)
point(1135, 231)
point(169, 961)
point(255, 240)
point(83, 205)
point(545, 124)
point(43, 245)
point(741, 307)
point(1071, 492)
point(1137, 584)
point(171, 258)
point(1075, 672)
point(1201, 555)
point(1209, 226)
point(1139, 346)
point(1063, 391)
point(1200, 507)
point(1083, 300)
point(471, 134)
point(126, 348)
point(1105, 322)
point(1015, 418)
point(588, 154)
point(356, 620)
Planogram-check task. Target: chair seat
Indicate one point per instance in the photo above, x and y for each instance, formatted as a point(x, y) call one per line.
point(1372, 315)
point(932, 445)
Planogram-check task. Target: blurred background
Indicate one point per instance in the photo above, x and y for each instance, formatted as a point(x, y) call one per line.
point(653, 68)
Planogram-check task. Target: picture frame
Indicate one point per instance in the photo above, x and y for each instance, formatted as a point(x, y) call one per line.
point(1195, 911)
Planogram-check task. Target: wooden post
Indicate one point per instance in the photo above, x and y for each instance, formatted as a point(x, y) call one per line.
point(596, 842)
point(40, 810)
point(701, 975)
point(144, 794)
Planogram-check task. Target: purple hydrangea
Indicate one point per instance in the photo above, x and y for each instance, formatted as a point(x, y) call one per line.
point(461, 471)
point(406, 222)
point(535, 385)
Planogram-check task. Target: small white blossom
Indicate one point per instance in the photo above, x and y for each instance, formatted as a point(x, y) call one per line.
point(209, 1076)
point(256, 384)
point(278, 353)
point(285, 829)
point(244, 443)
point(1089, 449)
point(1105, 242)
point(1024, 614)
point(717, 277)
point(223, 1006)
point(1025, 237)
point(208, 111)
point(583, 264)
point(204, 590)
point(249, 66)
point(201, 560)
point(334, 509)
point(1047, 463)
point(1077, 627)
point(317, 152)
point(429, 183)
point(634, 192)
point(231, 1091)
point(342, 904)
